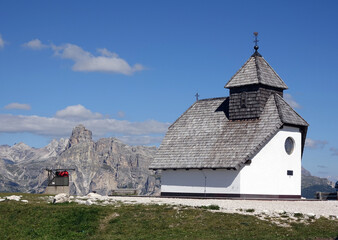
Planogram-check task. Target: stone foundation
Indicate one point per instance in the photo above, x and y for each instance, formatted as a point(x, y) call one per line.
point(53, 190)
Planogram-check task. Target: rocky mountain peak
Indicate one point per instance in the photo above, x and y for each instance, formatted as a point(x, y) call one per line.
point(79, 135)
point(55, 147)
point(305, 172)
point(21, 146)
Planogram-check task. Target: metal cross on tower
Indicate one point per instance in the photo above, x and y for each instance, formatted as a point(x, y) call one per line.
point(196, 95)
point(256, 41)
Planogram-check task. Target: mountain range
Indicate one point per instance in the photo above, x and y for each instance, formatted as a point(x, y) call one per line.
point(102, 166)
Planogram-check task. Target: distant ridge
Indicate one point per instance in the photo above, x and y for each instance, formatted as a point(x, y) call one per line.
point(312, 184)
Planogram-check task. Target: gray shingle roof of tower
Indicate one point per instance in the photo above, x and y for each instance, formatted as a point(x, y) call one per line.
point(203, 137)
point(256, 71)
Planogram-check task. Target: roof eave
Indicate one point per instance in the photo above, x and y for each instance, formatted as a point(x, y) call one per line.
point(193, 168)
point(258, 83)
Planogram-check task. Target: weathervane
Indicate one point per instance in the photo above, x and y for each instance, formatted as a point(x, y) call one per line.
point(196, 95)
point(256, 41)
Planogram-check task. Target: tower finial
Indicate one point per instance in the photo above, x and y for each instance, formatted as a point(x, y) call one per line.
point(256, 41)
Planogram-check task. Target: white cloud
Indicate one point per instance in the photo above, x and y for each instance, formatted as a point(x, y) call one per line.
point(20, 106)
point(103, 126)
point(86, 62)
point(121, 114)
point(65, 120)
point(289, 99)
point(315, 144)
point(334, 151)
point(77, 112)
point(105, 52)
point(141, 140)
point(35, 44)
point(321, 166)
point(2, 42)
point(35, 124)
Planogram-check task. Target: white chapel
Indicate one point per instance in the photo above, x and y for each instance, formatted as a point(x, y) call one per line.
point(247, 145)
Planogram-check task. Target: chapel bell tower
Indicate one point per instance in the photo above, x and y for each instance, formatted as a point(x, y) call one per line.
point(251, 87)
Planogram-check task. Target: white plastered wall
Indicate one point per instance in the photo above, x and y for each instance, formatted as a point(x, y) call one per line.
point(200, 181)
point(267, 173)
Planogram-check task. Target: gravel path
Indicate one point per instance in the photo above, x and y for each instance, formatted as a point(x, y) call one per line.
point(310, 208)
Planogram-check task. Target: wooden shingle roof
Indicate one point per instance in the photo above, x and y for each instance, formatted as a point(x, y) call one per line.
point(203, 137)
point(287, 114)
point(256, 71)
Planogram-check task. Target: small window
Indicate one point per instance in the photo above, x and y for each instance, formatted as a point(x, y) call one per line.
point(289, 145)
point(243, 100)
point(290, 173)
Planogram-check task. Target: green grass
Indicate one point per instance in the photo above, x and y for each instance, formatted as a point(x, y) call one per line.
point(47, 221)
point(40, 220)
point(210, 207)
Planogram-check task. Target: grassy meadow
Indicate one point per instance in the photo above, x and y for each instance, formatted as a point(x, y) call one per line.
point(39, 219)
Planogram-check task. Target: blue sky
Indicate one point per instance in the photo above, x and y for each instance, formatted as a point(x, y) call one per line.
point(129, 68)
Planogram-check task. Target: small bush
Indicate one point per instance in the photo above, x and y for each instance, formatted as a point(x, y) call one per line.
point(210, 207)
point(214, 207)
point(250, 210)
point(298, 215)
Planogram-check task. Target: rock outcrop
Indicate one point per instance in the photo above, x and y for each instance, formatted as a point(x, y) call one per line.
point(79, 135)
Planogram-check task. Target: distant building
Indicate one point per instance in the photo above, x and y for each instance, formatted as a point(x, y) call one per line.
point(58, 181)
point(247, 145)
